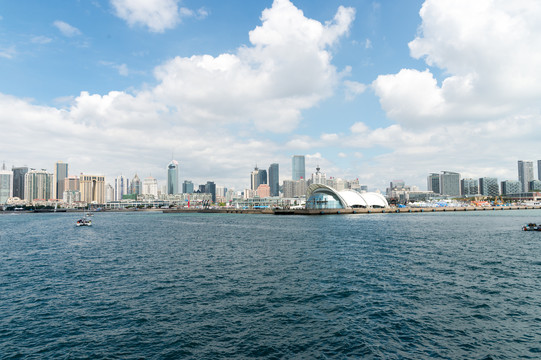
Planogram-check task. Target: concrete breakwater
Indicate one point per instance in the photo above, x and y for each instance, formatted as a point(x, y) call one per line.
point(392, 210)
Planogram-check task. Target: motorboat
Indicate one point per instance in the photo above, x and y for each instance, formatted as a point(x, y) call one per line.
point(84, 222)
point(531, 227)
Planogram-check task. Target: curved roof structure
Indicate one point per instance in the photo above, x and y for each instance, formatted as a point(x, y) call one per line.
point(346, 198)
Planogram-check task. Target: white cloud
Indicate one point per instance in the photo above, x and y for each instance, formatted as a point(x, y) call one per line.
point(66, 29)
point(490, 51)
point(287, 69)
point(157, 15)
point(353, 88)
point(41, 40)
point(8, 53)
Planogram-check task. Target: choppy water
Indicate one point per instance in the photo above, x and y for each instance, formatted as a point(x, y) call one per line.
point(149, 285)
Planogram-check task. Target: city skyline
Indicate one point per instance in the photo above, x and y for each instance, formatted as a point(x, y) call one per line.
point(368, 90)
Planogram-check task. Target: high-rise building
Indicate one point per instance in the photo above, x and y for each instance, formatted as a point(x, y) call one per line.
point(6, 184)
point(262, 176)
point(109, 193)
point(92, 188)
point(210, 188)
point(450, 183)
point(433, 183)
point(254, 179)
point(38, 185)
point(511, 187)
point(122, 186)
point(187, 187)
point(172, 177)
point(469, 187)
point(274, 179)
point(60, 173)
point(293, 188)
point(539, 169)
point(298, 168)
point(489, 186)
point(150, 186)
point(136, 186)
point(319, 177)
point(18, 181)
point(525, 173)
point(71, 183)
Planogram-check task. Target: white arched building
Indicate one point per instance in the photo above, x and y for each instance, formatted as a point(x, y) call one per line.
point(321, 196)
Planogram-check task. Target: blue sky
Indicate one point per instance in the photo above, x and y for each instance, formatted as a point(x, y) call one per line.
point(375, 90)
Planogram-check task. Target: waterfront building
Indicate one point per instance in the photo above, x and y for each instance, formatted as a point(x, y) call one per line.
point(469, 187)
point(150, 187)
point(525, 173)
point(319, 177)
point(274, 179)
point(135, 186)
point(293, 189)
point(6, 184)
point(511, 187)
point(187, 187)
point(71, 196)
point(210, 188)
point(122, 186)
point(433, 183)
point(535, 185)
point(254, 179)
point(109, 193)
point(92, 188)
point(172, 177)
point(60, 174)
point(489, 186)
point(38, 185)
point(450, 183)
point(18, 181)
point(539, 169)
point(263, 191)
point(321, 196)
point(298, 168)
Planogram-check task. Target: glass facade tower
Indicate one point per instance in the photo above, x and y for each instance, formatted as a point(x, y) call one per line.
point(525, 173)
point(18, 181)
point(60, 174)
point(298, 168)
point(172, 177)
point(274, 179)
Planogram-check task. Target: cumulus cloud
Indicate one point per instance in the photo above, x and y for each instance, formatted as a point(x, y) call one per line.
point(156, 15)
point(66, 29)
point(287, 69)
point(490, 52)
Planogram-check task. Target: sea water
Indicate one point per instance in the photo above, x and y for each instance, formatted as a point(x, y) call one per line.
point(379, 286)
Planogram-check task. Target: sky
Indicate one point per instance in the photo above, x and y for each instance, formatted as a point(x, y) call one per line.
point(374, 90)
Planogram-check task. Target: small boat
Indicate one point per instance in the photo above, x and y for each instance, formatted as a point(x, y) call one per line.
point(531, 227)
point(84, 222)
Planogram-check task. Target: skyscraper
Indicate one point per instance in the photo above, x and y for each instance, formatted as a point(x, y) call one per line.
point(60, 173)
point(122, 186)
point(136, 185)
point(539, 169)
point(6, 184)
point(92, 188)
point(18, 181)
point(433, 183)
point(187, 187)
point(150, 186)
point(262, 176)
point(254, 179)
point(210, 188)
point(297, 167)
point(274, 179)
point(172, 177)
point(38, 185)
point(525, 173)
point(450, 183)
